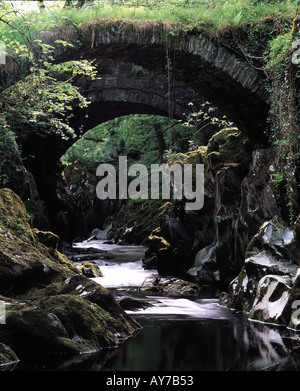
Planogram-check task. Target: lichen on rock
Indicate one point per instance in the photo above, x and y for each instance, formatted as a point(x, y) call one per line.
point(51, 307)
point(24, 260)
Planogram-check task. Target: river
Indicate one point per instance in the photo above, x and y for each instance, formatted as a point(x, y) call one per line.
point(192, 333)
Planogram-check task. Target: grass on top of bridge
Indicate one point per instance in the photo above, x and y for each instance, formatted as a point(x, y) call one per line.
point(212, 14)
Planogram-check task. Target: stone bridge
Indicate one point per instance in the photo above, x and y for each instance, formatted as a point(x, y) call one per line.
point(132, 58)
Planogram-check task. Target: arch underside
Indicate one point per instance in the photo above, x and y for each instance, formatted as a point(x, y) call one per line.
point(192, 78)
point(134, 80)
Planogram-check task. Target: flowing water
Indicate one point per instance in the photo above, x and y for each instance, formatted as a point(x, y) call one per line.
point(179, 333)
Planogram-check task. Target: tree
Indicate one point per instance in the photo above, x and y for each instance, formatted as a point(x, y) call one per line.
point(44, 98)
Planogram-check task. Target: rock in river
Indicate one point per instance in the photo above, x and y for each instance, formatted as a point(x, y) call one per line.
point(266, 288)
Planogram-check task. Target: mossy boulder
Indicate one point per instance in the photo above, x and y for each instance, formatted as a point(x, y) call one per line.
point(62, 324)
point(172, 286)
point(71, 317)
point(229, 145)
point(86, 288)
point(53, 308)
point(90, 269)
point(47, 238)
point(24, 260)
point(128, 303)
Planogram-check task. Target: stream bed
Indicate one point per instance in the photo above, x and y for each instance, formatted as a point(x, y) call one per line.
point(191, 333)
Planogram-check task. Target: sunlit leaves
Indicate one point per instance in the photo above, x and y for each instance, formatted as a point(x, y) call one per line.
point(45, 98)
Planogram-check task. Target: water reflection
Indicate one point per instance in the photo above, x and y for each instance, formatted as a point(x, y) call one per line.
point(206, 345)
point(190, 345)
point(174, 342)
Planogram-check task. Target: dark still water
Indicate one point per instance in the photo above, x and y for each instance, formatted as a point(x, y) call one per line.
point(185, 344)
point(179, 334)
point(204, 345)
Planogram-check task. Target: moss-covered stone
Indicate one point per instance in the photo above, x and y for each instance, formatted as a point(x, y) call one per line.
point(128, 303)
point(24, 260)
point(228, 146)
point(135, 221)
point(47, 238)
point(71, 317)
point(172, 287)
point(90, 269)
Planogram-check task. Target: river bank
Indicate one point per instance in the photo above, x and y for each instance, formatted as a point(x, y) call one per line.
point(179, 332)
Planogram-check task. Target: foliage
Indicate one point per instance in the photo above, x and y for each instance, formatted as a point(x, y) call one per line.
point(284, 114)
point(131, 136)
point(199, 118)
point(214, 14)
point(277, 51)
point(8, 153)
point(44, 95)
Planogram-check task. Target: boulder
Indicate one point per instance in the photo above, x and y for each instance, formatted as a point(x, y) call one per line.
point(172, 286)
point(129, 303)
point(71, 317)
point(292, 308)
point(62, 324)
point(271, 299)
point(267, 286)
point(98, 234)
point(55, 308)
point(90, 269)
point(24, 260)
point(47, 238)
point(205, 269)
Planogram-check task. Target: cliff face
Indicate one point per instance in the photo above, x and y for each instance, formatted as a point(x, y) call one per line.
point(241, 231)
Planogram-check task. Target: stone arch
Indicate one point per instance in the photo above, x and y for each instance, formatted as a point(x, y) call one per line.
point(214, 71)
point(131, 57)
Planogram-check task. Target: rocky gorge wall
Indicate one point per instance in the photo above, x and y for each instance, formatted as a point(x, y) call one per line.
point(241, 241)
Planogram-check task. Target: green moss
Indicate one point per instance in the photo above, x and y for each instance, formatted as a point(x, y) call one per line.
point(24, 261)
point(227, 146)
point(136, 220)
point(90, 269)
point(66, 323)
